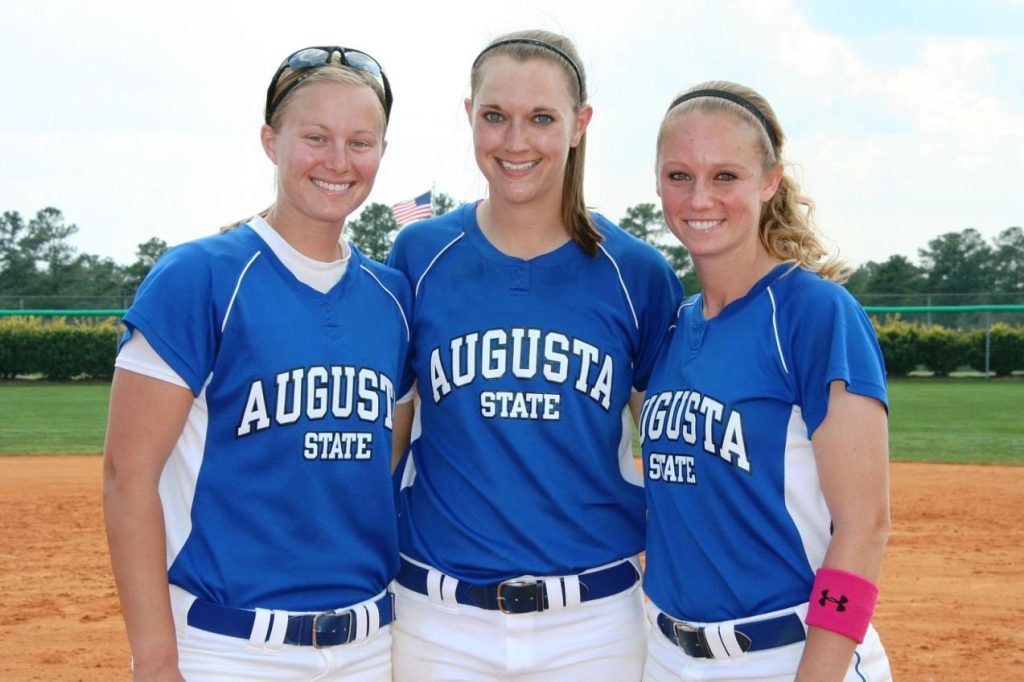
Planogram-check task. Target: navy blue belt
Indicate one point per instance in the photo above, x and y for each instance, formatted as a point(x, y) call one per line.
point(753, 636)
point(319, 630)
point(524, 595)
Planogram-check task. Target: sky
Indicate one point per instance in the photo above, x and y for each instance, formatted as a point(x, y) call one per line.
point(141, 119)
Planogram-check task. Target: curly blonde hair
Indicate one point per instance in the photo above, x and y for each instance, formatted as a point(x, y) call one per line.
point(787, 228)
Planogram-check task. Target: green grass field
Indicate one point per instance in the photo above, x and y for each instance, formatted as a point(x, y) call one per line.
point(951, 420)
point(957, 420)
point(52, 418)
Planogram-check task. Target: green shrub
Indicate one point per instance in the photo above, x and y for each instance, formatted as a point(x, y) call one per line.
point(974, 340)
point(899, 342)
point(941, 349)
point(906, 345)
point(56, 348)
point(1007, 348)
point(19, 344)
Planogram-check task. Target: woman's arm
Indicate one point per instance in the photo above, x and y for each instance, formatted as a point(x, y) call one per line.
point(145, 421)
point(401, 430)
point(636, 405)
point(851, 448)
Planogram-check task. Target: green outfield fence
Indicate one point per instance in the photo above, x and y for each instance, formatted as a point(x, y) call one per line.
point(63, 313)
point(871, 309)
point(963, 316)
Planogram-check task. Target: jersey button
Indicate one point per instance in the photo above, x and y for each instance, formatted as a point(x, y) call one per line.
point(520, 278)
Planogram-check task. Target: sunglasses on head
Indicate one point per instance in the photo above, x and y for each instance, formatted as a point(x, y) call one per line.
point(314, 57)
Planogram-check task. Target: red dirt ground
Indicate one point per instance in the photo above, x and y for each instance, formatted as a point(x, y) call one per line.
point(952, 604)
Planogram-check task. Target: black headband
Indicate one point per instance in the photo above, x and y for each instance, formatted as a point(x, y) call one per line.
point(724, 94)
point(538, 43)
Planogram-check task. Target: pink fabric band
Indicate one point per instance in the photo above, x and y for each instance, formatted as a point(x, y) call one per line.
point(842, 602)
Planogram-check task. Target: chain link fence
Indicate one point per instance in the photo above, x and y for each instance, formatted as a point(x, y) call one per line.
point(115, 302)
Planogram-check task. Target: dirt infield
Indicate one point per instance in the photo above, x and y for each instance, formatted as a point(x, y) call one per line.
point(952, 605)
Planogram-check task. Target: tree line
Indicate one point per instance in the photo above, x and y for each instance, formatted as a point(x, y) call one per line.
point(952, 263)
point(37, 259)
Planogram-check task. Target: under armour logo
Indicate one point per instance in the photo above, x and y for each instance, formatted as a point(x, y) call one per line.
point(840, 603)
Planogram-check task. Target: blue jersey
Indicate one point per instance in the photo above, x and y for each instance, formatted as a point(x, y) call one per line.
point(738, 524)
point(524, 368)
point(278, 493)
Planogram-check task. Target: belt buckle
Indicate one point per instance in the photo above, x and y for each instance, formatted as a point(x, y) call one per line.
point(519, 582)
point(678, 626)
point(702, 640)
point(350, 635)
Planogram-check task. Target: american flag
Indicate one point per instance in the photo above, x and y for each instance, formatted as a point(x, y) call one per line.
point(413, 209)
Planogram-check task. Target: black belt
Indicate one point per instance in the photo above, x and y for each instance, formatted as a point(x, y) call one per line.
point(753, 636)
point(319, 630)
point(519, 595)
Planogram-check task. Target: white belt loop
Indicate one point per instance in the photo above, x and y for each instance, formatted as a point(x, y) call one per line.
point(448, 588)
point(278, 630)
point(365, 620)
point(373, 618)
point(441, 589)
point(556, 595)
point(721, 640)
point(434, 579)
point(258, 634)
point(571, 590)
point(360, 619)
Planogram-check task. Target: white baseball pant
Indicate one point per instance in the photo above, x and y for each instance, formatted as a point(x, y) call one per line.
point(598, 641)
point(666, 662)
point(209, 657)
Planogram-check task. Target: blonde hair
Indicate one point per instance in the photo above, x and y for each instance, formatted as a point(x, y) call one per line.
point(574, 209)
point(787, 228)
point(334, 71)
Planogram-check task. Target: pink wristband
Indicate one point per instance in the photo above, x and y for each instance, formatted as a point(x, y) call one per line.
point(842, 602)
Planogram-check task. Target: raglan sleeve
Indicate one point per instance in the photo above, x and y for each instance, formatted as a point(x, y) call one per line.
point(660, 293)
point(175, 311)
point(832, 339)
point(407, 376)
point(398, 259)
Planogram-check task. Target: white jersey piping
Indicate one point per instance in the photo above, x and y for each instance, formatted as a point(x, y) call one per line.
point(622, 283)
point(775, 328)
point(234, 294)
point(393, 298)
point(434, 260)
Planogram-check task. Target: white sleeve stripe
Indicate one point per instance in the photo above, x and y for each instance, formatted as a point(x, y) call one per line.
point(622, 283)
point(433, 260)
point(679, 311)
point(398, 305)
point(234, 294)
point(775, 328)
